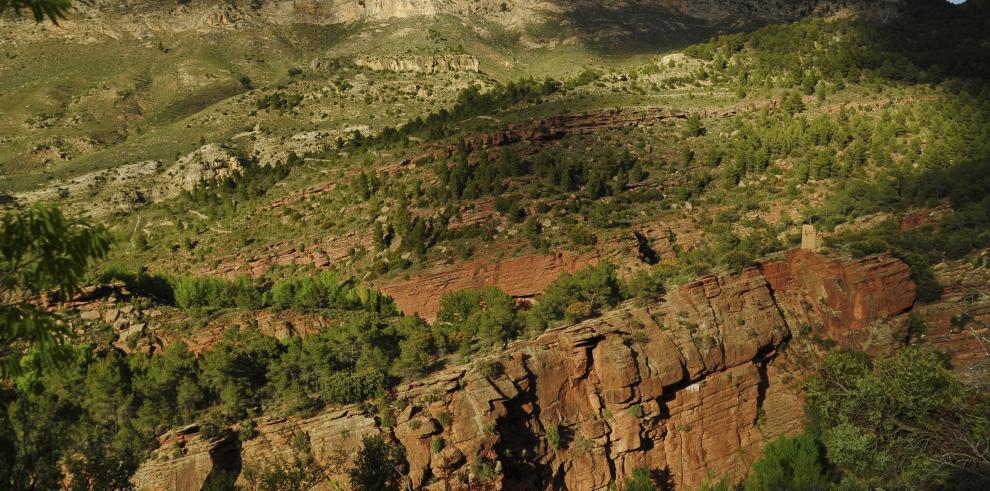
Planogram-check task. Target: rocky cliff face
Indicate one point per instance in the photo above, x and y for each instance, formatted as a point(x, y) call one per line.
point(863, 304)
point(693, 384)
point(520, 277)
point(959, 323)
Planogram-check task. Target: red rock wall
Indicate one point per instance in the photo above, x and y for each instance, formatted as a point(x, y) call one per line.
point(524, 276)
point(959, 323)
point(861, 304)
point(693, 384)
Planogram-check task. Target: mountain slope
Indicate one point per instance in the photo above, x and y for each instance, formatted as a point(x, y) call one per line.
point(533, 247)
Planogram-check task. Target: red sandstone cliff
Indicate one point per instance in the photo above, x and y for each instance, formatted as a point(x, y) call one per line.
point(959, 323)
point(861, 304)
point(693, 384)
point(524, 276)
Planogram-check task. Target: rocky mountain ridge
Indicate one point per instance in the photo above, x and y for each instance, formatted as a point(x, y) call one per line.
point(139, 18)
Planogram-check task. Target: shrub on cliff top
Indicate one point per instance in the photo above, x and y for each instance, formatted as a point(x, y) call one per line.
point(484, 317)
point(594, 286)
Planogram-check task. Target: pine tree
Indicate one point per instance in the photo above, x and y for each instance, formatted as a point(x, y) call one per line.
point(693, 126)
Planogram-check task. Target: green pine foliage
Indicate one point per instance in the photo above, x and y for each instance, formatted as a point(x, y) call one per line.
point(693, 126)
point(789, 464)
point(477, 318)
point(641, 480)
point(905, 421)
point(54, 10)
point(378, 466)
point(301, 292)
point(574, 297)
point(41, 251)
point(193, 292)
point(318, 291)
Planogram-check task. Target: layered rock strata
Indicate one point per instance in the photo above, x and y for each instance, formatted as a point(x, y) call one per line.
point(691, 385)
point(959, 323)
point(860, 304)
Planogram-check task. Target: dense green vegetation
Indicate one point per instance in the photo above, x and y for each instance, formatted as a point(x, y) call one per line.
point(470, 102)
point(300, 291)
point(929, 44)
point(901, 422)
point(578, 296)
point(101, 411)
point(791, 56)
point(603, 175)
point(789, 464)
point(485, 317)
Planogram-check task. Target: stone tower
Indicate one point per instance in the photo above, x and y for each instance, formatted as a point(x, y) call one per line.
point(811, 240)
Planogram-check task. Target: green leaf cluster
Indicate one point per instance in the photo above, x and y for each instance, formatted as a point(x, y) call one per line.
point(902, 422)
point(41, 252)
point(53, 9)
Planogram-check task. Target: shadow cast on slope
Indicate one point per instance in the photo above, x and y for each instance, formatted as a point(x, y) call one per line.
point(642, 27)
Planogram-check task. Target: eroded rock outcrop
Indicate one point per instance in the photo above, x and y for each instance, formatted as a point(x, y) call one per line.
point(209, 163)
point(329, 251)
point(520, 277)
point(693, 384)
point(861, 304)
point(420, 64)
point(128, 186)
